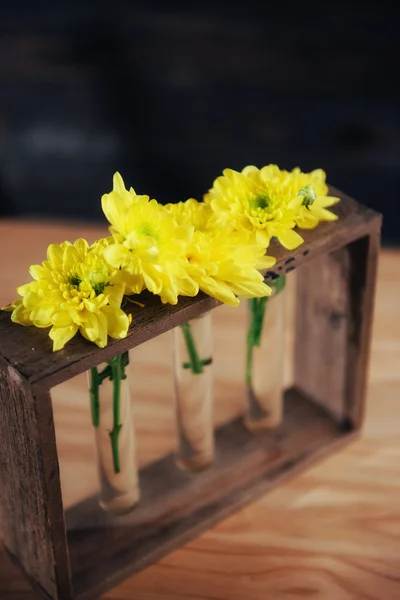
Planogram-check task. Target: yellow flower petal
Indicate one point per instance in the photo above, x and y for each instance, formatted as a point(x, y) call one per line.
point(296, 202)
point(38, 272)
point(307, 221)
point(90, 327)
point(289, 239)
point(251, 289)
point(117, 322)
point(24, 289)
point(81, 245)
point(55, 255)
point(41, 315)
point(116, 255)
point(62, 335)
point(102, 326)
point(250, 170)
point(325, 215)
point(115, 294)
point(219, 290)
point(265, 262)
point(61, 319)
point(70, 258)
point(20, 314)
point(118, 183)
point(114, 207)
point(318, 174)
point(152, 281)
point(325, 201)
point(187, 287)
point(263, 238)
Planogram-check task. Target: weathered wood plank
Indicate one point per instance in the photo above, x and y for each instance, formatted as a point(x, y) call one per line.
point(33, 518)
point(364, 254)
point(322, 322)
point(334, 315)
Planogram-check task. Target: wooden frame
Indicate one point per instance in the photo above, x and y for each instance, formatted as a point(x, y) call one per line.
point(323, 411)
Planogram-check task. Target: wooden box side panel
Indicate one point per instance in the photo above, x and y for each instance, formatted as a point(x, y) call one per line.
point(334, 315)
point(33, 518)
point(322, 322)
point(364, 255)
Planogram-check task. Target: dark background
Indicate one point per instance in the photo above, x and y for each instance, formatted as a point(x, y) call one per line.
point(171, 93)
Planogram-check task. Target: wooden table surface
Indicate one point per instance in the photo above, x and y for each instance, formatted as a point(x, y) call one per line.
point(332, 533)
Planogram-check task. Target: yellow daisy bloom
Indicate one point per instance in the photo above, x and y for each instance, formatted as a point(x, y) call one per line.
point(224, 263)
point(258, 201)
point(313, 190)
point(73, 290)
point(150, 247)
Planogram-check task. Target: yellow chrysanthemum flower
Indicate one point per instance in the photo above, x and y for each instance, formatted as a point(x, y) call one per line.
point(73, 290)
point(258, 201)
point(224, 263)
point(313, 190)
point(150, 247)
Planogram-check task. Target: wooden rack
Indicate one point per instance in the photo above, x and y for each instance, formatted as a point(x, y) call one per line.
point(323, 410)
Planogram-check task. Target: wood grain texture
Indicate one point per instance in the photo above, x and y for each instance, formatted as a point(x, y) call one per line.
point(33, 517)
point(336, 295)
point(29, 349)
point(362, 285)
point(322, 323)
point(331, 533)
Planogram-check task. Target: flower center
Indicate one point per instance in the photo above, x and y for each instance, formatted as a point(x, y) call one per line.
point(95, 280)
point(98, 279)
point(262, 208)
point(74, 280)
point(147, 229)
point(99, 287)
point(261, 201)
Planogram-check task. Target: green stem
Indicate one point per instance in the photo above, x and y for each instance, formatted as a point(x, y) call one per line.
point(94, 396)
point(249, 359)
point(106, 373)
point(251, 337)
point(117, 373)
point(257, 308)
point(204, 361)
point(279, 284)
point(259, 320)
point(124, 364)
point(195, 362)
